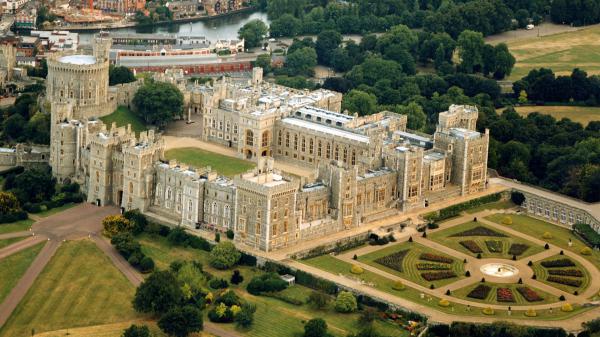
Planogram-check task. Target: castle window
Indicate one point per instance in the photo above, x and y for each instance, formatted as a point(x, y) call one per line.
point(265, 139)
point(287, 139)
point(215, 208)
point(130, 187)
point(310, 146)
point(319, 148)
point(345, 155)
point(279, 138)
point(295, 142)
point(220, 125)
point(336, 154)
point(353, 157)
point(249, 138)
point(303, 144)
point(227, 127)
point(285, 226)
point(235, 128)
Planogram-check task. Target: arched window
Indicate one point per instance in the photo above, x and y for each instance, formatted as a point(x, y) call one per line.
point(310, 146)
point(319, 148)
point(336, 154)
point(215, 208)
point(226, 211)
point(345, 155)
point(295, 142)
point(249, 138)
point(97, 177)
point(287, 139)
point(265, 139)
point(353, 157)
point(227, 127)
point(303, 144)
point(169, 196)
point(328, 152)
point(130, 187)
point(279, 138)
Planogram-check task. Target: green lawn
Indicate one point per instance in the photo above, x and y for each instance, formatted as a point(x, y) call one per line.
point(445, 238)
point(542, 273)
point(502, 204)
point(55, 210)
point(18, 226)
point(14, 266)
point(8, 242)
point(579, 114)
point(536, 228)
point(409, 263)
point(79, 287)
point(123, 116)
point(196, 157)
point(492, 298)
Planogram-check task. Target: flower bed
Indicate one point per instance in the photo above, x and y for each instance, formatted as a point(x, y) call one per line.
point(566, 272)
point(566, 281)
point(494, 246)
point(435, 258)
point(440, 275)
point(558, 263)
point(504, 295)
point(432, 266)
point(394, 260)
point(472, 246)
point(480, 292)
point(529, 294)
point(479, 231)
point(517, 249)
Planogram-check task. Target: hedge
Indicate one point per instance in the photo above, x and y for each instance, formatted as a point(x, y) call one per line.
point(12, 217)
point(588, 234)
point(465, 329)
point(338, 248)
point(455, 210)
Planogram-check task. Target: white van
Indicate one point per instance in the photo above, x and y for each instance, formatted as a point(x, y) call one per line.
point(529, 26)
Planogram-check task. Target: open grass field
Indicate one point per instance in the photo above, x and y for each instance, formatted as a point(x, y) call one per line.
point(79, 287)
point(446, 238)
point(537, 228)
point(107, 330)
point(502, 204)
point(123, 116)
point(14, 266)
point(336, 266)
point(17, 226)
point(579, 114)
point(8, 242)
point(409, 263)
point(492, 296)
point(560, 52)
point(195, 157)
point(542, 273)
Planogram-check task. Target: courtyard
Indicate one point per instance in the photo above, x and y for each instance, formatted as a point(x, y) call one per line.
point(492, 263)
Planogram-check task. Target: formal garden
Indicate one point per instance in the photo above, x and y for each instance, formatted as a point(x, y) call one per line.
point(477, 259)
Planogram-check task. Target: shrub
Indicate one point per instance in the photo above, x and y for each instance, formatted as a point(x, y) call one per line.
point(136, 331)
point(146, 264)
point(468, 273)
point(218, 283)
point(547, 235)
point(441, 275)
point(246, 316)
point(318, 300)
point(116, 224)
point(345, 302)
point(356, 269)
point(566, 272)
point(585, 251)
point(480, 292)
point(488, 311)
point(229, 298)
point(587, 233)
point(517, 198)
point(562, 297)
point(220, 314)
point(316, 327)
point(398, 285)
point(435, 258)
point(217, 237)
point(560, 263)
point(410, 239)
point(479, 231)
point(494, 246)
point(137, 219)
point(355, 257)
point(563, 280)
point(517, 249)
point(224, 255)
point(529, 295)
point(432, 225)
point(507, 220)
point(546, 246)
point(236, 277)
point(531, 313)
point(432, 266)
point(444, 303)
point(567, 307)
point(270, 282)
point(471, 246)
point(504, 295)
point(230, 234)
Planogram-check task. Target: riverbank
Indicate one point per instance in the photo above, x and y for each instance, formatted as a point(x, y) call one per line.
point(122, 25)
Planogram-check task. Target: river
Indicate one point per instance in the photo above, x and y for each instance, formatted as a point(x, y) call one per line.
point(225, 27)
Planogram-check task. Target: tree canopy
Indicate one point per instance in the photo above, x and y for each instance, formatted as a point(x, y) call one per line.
point(253, 33)
point(158, 102)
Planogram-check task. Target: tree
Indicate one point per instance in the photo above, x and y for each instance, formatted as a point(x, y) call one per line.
point(236, 277)
point(318, 300)
point(345, 302)
point(253, 33)
point(470, 48)
point(33, 185)
point(9, 203)
point(504, 61)
point(316, 327)
point(119, 74)
point(517, 197)
point(115, 224)
point(245, 317)
point(37, 129)
point(158, 102)
point(523, 97)
point(14, 127)
point(286, 25)
point(327, 42)
point(264, 61)
point(224, 255)
point(416, 116)
point(158, 293)
point(180, 322)
point(301, 62)
point(136, 331)
point(522, 16)
point(360, 102)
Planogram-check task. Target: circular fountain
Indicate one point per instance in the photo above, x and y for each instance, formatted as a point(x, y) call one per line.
point(499, 270)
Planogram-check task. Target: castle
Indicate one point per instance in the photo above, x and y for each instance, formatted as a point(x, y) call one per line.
point(363, 168)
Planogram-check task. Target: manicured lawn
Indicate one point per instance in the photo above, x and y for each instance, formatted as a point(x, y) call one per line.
point(492, 298)
point(542, 274)
point(79, 287)
point(335, 266)
point(14, 266)
point(502, 204)
point(579, 114)
point(55, 210)
point(109, 330)
point(123, 116)
point(18, 226)
point(536, 228)
point(196, 157)
point(8, 242)
point(560, 52)
point(445, 238)
point(409, 263)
